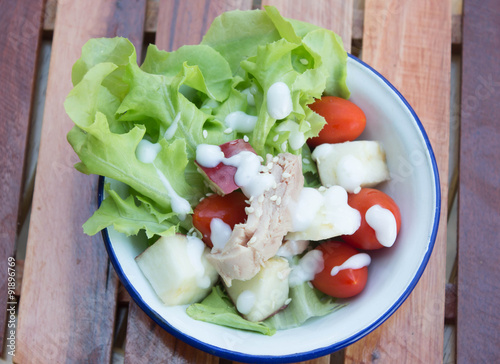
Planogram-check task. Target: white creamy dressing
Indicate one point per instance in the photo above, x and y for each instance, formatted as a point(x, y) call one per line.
point(146, 152)
point(296, 138)
point(250, 96)
point(245, 302)
point(219, 233)
point(357, 261)
point(350, 173)
point(290, 248)
point(305, 210)
point(241, 122)
point(309, 265)
point(209, 156)
point(279, 101)
point(323, 211)
point(248, 165)
point(384, 223)
point(173, 127)
point(195, 249)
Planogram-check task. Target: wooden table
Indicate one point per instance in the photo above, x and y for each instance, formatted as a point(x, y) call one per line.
point(71, 308)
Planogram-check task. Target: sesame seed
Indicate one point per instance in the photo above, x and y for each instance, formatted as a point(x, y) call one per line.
point(269, 156)
point(209, 194)
point(276, 159)
point(286, 175)
point(228, 131)
point(249, 210)
point(201, 199)
point(304, 61)
point(306, 161)
point(276, 137)
point(288, 301)
point(251, 199)
point(205, 134)
point(274, 198)
point(278, 201)
point(261, 199)
point(258, 213)
point(322, 189)
point(245, 138)
point(270, 165)
point(260, 159)
point(252, 240)
point(275, 185)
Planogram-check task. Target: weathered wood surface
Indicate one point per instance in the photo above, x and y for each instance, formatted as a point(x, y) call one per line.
point(20, 26)
point(409, 43)
point(478, 317)
point(69, 292)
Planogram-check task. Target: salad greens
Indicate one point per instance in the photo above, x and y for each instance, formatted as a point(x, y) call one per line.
point(217, 308)
point(179, 100)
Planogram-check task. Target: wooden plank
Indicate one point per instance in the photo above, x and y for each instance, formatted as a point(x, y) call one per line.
point(478, 318)
point(20, 26)
point(409, 42)
point(157, 345)
point(357, 22)
point(179, 23)
point(69, 291)
point(336, 15)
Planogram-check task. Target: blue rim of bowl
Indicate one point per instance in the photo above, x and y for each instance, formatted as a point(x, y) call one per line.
point(308, 355)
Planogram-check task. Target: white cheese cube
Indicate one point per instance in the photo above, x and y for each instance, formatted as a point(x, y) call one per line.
point(351, 165)
point(177, 269)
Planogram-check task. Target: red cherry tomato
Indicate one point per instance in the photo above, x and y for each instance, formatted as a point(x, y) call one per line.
point(229, 208)
point(344, 120)
point(347, 282)
point(365, 237)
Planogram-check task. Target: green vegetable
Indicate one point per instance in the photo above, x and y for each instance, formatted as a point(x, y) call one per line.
point(217, 308)
point(306, 302)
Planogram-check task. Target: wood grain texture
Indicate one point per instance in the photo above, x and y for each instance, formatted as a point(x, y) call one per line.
point(69, 291)
point(147, 342)
point(336, 15)
point(409, 43)
point(185, 22)
point(20, 26)
point(478, 317)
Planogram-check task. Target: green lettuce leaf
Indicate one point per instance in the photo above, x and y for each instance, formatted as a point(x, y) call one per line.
point(113, 155)
point(128, 217)
point(218, 309)
point(306, 302)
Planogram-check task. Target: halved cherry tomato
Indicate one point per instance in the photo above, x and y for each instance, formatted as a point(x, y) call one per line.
point(365, 237)
point(345, 121)
point(347, 282)
point(229, 208)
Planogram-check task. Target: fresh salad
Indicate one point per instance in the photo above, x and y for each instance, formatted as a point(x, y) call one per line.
point(241, 167)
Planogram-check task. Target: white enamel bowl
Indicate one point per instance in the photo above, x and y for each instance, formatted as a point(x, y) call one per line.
point(393, 273)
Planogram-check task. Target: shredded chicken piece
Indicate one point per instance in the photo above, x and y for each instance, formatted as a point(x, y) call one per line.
point(258, 239)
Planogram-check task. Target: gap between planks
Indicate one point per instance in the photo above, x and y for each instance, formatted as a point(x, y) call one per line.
point(151, 21)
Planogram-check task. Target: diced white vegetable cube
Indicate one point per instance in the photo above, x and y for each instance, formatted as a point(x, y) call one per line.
point(177, 269)
point(351, 165)
point(264, 294)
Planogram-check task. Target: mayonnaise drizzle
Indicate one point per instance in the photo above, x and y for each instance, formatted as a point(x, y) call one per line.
point(195, 249)
point(384, 223)
point(357, 261)
point(219, 233)
point(309, 265)
point(248, 165)
point(245, 302)
point(173, 127)
point(147, 152)
point(241, 122)
point(279, 101)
